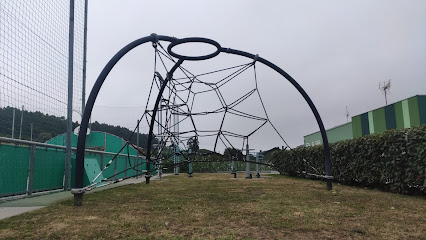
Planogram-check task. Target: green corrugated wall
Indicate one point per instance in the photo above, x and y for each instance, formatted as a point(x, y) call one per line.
point(340, 133)
point(379, 120)
point(370, 122)
point(356, 126)
point(407, 113)
point(421, 100)
point(390, 117)
point(399, 115)
point(365, 125)
point(414, 112)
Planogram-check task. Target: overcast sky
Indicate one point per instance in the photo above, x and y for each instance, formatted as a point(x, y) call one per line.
point(338, 51)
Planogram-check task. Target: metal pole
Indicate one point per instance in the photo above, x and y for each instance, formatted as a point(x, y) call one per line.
point(234, 169)
point(22, 118)
point(248, 174)
point(31, 170)
point(67, 183)
point(13, 123)
point(386, 99)
point(31, 138)
point(257, 165)
point(190, 163)
point(160, 132)
point(137, 145)
point(174, 159)
point(83, 94)
point(176, 145)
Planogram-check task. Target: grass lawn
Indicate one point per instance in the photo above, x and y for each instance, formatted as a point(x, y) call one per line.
point(216, 206)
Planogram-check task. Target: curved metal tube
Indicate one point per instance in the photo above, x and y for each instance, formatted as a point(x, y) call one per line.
point(81, 144)
point(307, 99)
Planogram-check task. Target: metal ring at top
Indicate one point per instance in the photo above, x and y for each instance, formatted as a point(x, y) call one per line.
point(197, 40)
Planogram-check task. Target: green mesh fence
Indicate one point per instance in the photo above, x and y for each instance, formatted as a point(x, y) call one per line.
point(14, 165)
point(48, 168)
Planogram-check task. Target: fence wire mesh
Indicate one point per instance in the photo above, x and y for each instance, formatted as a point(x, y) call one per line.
point(34, 38)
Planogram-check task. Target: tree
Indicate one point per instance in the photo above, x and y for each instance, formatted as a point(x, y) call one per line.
point(193, 144)
point(233, 153)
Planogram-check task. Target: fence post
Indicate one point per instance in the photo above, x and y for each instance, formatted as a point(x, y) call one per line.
point(102, 161)
point(248, 174)
point(31, 171)
point(22, 119)
point(257, 164)
point(13, 123)
point(31, 138)
point(70, 97)
point(137, 151)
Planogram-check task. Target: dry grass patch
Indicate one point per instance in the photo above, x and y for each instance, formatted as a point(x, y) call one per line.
point(213, 206)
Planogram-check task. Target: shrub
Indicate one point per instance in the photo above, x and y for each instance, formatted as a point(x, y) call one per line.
point(394, 160)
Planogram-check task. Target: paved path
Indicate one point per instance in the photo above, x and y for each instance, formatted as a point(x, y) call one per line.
point(19, 206)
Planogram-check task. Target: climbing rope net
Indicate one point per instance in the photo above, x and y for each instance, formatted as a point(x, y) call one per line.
point(180, 117)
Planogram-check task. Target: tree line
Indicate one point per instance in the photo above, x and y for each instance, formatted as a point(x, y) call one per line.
point(40, 127)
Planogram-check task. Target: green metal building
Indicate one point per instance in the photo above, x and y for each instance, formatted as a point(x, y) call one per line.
point(407, 113)
point(410, 112)
point(338, 133)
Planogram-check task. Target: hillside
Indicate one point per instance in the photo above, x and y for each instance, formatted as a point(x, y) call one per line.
point(46, 126)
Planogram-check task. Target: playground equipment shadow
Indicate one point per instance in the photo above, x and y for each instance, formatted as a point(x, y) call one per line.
point(13, 207)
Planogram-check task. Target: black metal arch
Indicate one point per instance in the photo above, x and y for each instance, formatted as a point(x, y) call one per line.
point(78, 190)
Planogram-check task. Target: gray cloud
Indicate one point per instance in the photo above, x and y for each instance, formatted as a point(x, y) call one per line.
point(338, 51)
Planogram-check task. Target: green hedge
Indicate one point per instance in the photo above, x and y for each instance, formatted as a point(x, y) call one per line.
point(394, 160)
point(212, 163)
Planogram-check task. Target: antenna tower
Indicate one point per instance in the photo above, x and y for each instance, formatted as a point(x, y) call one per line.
point(385, 88)
point(347, 114)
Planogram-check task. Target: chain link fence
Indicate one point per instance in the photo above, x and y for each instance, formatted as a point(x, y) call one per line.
point(34, 41)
